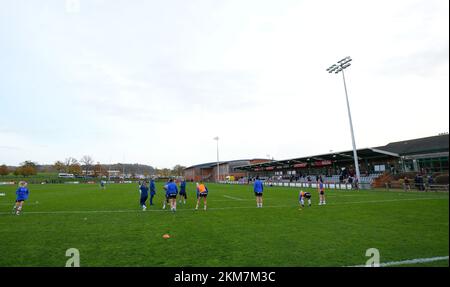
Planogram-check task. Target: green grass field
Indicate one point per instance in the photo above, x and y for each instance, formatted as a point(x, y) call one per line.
point(109, 228)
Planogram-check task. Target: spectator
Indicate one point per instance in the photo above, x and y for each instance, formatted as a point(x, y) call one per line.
point(416, 181)
point(406, 184)
point(350, 180)
point(430, 180)
point(421, 183)
point(319, 178)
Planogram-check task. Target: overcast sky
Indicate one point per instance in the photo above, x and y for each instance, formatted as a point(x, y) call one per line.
point(153, 82)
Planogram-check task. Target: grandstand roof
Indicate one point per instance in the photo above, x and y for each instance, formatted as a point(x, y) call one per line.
point(323, 159)
point(213, 164)
point(416, 146)
point(204, 165)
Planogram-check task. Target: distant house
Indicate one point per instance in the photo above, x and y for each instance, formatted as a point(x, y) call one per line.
point(114, 173)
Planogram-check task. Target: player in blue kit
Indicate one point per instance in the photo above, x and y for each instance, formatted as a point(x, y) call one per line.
point(21, 195)
point(171, 194)
point(166, 200)
point(143, 190)
point(183, 194)
point(258, 189)
point(152, 190)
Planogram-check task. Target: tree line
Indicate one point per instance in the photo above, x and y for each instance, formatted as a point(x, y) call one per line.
point(86, 166)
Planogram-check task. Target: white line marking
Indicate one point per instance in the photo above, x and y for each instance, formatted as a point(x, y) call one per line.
point(411, 261)
point(13, 202)
point(231, 197)
point(137, 210)
point(216, 208)
point(239, 199)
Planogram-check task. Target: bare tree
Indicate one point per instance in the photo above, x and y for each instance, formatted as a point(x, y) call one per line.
point(70, 161)
point(87, 161)
point(72, 165)
point(178, 170)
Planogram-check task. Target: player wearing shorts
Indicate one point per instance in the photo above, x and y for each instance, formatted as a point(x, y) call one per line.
point(302, 196)
point(320, 187)
point(166, 200)
point(258, 188)
point(152, 190)
point(21, 195)
point(183, 191)
point(202, 192)
point(171, 194)
point(143, 190)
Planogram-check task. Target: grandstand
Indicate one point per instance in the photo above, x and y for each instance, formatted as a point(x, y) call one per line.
point(424, 155)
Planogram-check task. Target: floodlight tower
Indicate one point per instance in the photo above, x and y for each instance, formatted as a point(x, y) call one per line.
point(217, 139)
point(336, 68)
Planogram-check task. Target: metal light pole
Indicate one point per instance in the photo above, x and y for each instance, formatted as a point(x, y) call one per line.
point(336, 68)
point(218, 168)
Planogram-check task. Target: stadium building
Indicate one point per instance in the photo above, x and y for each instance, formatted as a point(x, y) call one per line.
point(425, 155)
point(227, 170)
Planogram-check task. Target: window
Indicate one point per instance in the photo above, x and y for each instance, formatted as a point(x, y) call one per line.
point(379, 167)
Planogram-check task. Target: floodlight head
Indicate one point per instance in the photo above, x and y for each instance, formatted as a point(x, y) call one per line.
point(341, 65)
point(331, 68)
point(346, 65)
point(344, 60)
